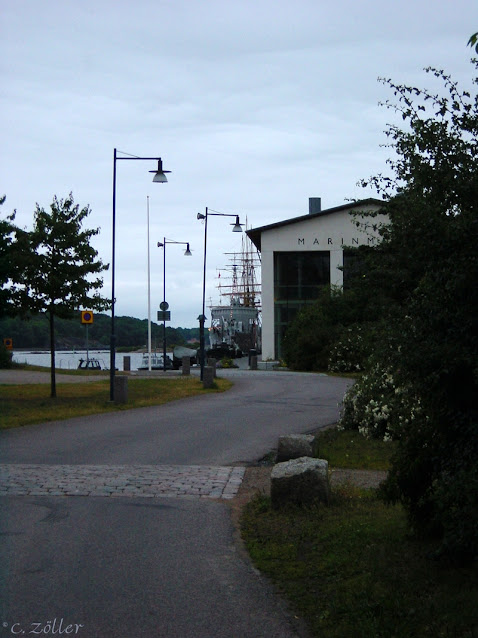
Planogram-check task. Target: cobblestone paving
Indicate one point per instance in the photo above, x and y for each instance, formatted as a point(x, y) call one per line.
point(147, 481)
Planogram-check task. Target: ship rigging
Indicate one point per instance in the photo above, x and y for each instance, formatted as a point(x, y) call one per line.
point(236, 324)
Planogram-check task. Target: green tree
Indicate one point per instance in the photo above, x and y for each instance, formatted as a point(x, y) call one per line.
point(62, 267)
point(473, 41)
point(9, 263)
point(426, 267)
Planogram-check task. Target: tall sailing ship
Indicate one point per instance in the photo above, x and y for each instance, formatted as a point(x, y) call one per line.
point(236, 321)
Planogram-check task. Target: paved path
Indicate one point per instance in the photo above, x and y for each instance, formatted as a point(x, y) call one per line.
point(120, 522)
point(144, 481)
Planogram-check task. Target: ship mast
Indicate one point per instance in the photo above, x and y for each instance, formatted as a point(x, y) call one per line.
point(243, 288)
point(237, 321)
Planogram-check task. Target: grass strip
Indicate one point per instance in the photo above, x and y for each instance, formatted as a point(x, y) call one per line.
point(350, 450)
point(352, 570)
point(31, 403)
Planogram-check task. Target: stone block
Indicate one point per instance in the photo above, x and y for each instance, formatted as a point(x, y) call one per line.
point(293, 446)
point(186, 366)
point(303, 481)
point(208, 377)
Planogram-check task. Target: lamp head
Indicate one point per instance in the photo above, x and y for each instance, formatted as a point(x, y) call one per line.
point(201, 216)
point(187, 252)
point(237, 226)
point(159, 175)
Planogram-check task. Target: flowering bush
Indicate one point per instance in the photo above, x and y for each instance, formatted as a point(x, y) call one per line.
point(350, 352)
point(377, 408)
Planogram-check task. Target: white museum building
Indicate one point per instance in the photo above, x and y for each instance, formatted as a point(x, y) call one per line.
point(301, 254)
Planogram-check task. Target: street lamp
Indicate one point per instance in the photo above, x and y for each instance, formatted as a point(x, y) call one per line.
point(164, 305)
point(202, 317)
point(159, 176)
point(149, 289)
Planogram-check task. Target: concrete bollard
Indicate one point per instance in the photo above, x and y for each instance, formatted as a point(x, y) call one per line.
point(186, 366)
point(212, 364)
point(253, 364)
point(127, 363)
point(208, 377)
point(121, 389)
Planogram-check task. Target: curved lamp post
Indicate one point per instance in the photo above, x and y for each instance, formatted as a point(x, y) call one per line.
point(202, 317)
point(187, 253)
point(159, 177)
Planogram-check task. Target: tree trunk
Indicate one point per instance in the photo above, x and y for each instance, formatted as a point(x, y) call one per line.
point(52, 355)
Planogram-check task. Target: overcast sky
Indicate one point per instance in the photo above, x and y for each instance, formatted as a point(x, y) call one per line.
point(254, 105)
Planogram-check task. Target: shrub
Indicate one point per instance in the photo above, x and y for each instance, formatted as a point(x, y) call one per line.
point(378, 408)
point(352, 349)
point(311, 336)
point(227, 362)
point(6, 357)
point(308, 338)
point(434, 474)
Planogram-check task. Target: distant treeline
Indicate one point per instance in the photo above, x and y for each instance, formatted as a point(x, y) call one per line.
point(71, 333)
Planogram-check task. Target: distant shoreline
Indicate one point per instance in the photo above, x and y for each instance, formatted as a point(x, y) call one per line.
point(78, 350)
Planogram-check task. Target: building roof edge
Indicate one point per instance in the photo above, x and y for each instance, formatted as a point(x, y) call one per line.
point(254, 234)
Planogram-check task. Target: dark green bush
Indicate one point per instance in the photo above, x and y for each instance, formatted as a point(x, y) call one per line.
point(5, 357)
point(322, 328)
point(308, 339)
point(418, 287)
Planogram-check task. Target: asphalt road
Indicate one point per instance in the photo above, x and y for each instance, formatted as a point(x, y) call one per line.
point(122, 565)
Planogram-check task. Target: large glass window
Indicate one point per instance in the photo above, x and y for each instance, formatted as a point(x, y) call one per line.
point(298, 278)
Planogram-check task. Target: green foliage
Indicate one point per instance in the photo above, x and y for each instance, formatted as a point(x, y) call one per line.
point(61, 262)
point(473, 41)
point(59, 267)
point(378, 408)
point(11, 261)
point(427, 268)
point(5, 357)
point(315, 336)
point(227, 362)
point(353, 348)
point(6, 231)
point(412, 321)
point(308, 338)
